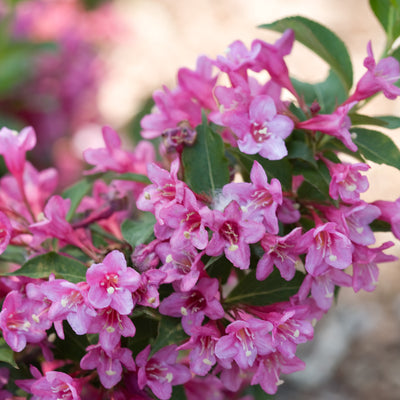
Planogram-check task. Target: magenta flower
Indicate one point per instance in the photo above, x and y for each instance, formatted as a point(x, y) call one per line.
point(54, 385)
point(114, 158)
point(5, 232)
point(270, 57)
point(259, 199)
point(181, 265)
point(161, 371)
point(111, 283)
point(194, 305)
point(202, 348)
point(322, 287)
point(390, 212)
point(365, 268)
point(13, 147)
point(69, 301)
point(147, 293)
point(243, 342)
point(271, 366)
point(336, 124)
point(262, 130)
point(108, 364)
point(111, 325)
point(326, 246)
point(232, 234)
point(354, 221)
point(379, 77)
point(281, 252)
point(346, 181)
point(19, 321)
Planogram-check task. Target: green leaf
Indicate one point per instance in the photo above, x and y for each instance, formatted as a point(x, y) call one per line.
point(45, 264)
point(178, 393)
point(391, 121)
point(359, 119)
point(328, 93)
point(139, 231)
point(279, 169)
point(6, 354)
point(272, 290)
point(300, 150)
point(14, 254)
point(321, 41)
point(170, 331)
point(76, 193)
point(377, 147)
point(381, 10)
point(316, 182)
point(380, 226)
point(220, 268)
point(130, 176)
point(205, 165)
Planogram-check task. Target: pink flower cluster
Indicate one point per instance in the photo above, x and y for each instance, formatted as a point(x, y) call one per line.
point(174, 275)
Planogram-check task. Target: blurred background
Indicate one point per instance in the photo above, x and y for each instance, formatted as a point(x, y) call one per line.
point(68, 67)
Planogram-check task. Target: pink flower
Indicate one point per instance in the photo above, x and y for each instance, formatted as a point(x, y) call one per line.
point(147, 294)
point(114, 158)
point(365, 268)
point(20, 323)
point(336, 124)
point(54, 385)
point(259, 199)
point(111, 283)
point(281, 252)
point(390, 212)
point(379, 77)
point(69, 301)
point(161, 371)
point(270, 57)
point(244, 341)
point(232, 234)
point(346, 181)
point(13, 147)
point(326, 246)
point(202, 348)
point(108, 364)
point(262, 130)
point(5, 232)
point(202, 301)
point(271, 366)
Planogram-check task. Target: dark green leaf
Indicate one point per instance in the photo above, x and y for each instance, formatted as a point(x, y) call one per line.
point(328, 93)
point(146, 330)
point(377, 147)
point(76, 193)
point(45, 264)
point(139, 231)
point(133, 128)
point(300, 150)
point(380, 226)
point(205, 165)
point(359, 119)
point(170, 331)
point(6, 354)
point(279, 169)
point(178, 393)
point(14, 254)
point(133, 177)
point(316, 182)
point(391, 121)
point(381, 10)
point(272, 290)
point(220, 268)
point(321, 41)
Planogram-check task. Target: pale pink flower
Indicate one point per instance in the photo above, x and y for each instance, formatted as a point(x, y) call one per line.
point(13, 147)
point(390, 212)
point(5, 232)
point(112, 282)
